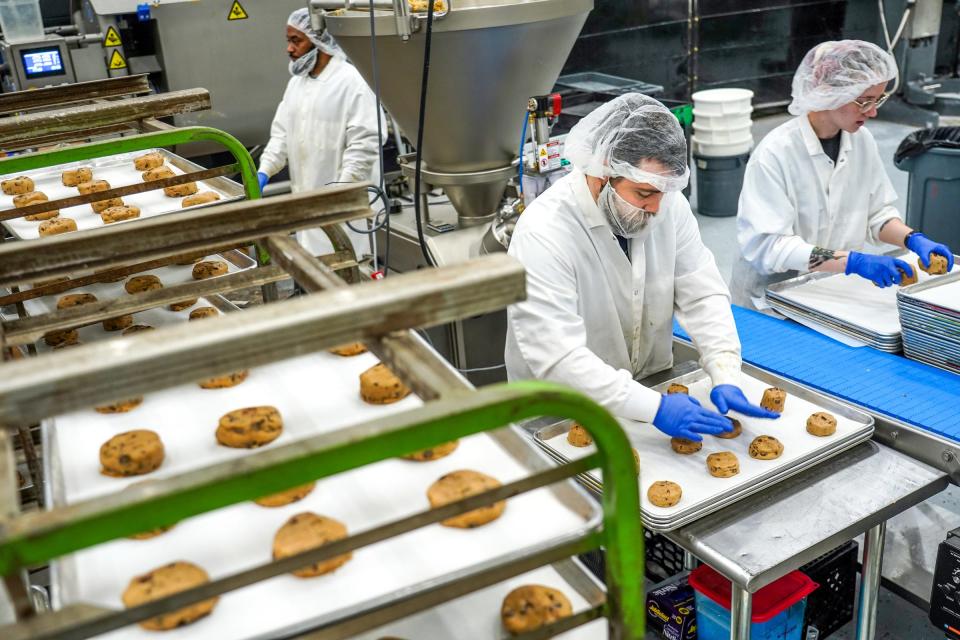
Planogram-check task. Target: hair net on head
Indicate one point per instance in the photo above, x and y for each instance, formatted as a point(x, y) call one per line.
point(300, 20)
point(834, 74)
point(615, 139)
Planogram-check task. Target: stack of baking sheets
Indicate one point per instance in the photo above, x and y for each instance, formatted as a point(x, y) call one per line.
point(930, 315)
point(119, 172)
point(703, 493)
point(847, 305)
point(315, 394)
point(170, 275)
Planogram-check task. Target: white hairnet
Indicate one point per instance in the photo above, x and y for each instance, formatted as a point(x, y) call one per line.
point(615, 139)
point(836, 73)
point(300, 20)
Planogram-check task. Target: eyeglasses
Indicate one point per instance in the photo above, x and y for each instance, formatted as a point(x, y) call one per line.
point(866, 105)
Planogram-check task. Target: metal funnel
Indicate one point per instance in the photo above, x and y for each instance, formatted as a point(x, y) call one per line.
point(487, 58)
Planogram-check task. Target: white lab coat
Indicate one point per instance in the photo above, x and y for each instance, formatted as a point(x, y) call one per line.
point(595, 320)
point(326, 129)
point(795, 199)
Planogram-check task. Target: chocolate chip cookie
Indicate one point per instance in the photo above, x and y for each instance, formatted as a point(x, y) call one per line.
point(433, 453)
point(148, 161)
point(678, 388)
point(57, 226)
point(166, 581)
point(209, 269)
point(379, 385)
point(458, 485)
point(664, 493)
point(736, 431)
point(578, 436)
point(225, 382)
point(774, 399)
point(139, 284)
point(684, 446)
point(723, 464)
point(283, 498)
point(250, 427)
point(529, 607)
point(74, 177)
point(349, 350)
point(131, 453)
point(306, 531)
point(17, 186)
point(821, 424)
point(765, 448)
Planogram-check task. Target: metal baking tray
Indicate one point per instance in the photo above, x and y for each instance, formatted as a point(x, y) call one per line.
point(704, 494)
point(930, 314)
point(186, 417)
point(118, 171)
point(883, 343)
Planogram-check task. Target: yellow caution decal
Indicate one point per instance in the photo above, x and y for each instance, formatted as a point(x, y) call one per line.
point(117, 61)
point(237, 12)
point(112, 39)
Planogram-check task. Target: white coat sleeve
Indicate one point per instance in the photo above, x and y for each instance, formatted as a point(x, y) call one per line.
point(702, 304)
point(552, 339)
point(361, 144)
point(882, 196)
point(274, 156)
point(766, 220)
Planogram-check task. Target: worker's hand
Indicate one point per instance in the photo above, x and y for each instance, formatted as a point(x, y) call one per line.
point(924, 246)
point(728, 397)
point(263, 179)
point(681, 416)
point(881, 270)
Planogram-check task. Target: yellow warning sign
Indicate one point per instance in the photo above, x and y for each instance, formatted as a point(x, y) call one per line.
point(237, 12)
point(117, 61)
point(112, 39)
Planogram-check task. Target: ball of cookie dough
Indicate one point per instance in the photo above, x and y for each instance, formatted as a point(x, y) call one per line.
point(349, 350)
point(250, 427)
point(75, 177)
point(578, 436)
point(122, 406)
point(765, 448)
point(148, 161)
point(120, 213)
point(938, 265)
point(209, 269)
point(306, 531)
point(32, 198)
point(723, 464)
point(433, 453)
point(379, 385)
point(200, 198)
point(458, 485)
point(157, 173)
point(733, 433)
point(905, 278)
point(119, 323)
point(17, 186)
point(685, 447)
point(289, 496)
point(131, 453)
point(664, 493)
point(101, 206)
point(61, 337)
point(183, 304)
point(56, 226)
point(529, 607)
point(180, 190)
point(774, 399)
point(678, 388)
point(75, 300)
point(166, 581)
point(93, 186)
point(139, 284)
point(821, 424)
point(203, 312)
point(225, 382)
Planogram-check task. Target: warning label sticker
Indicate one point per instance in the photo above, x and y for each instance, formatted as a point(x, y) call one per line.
point(112, 39)
point(117, 61)
point(237, 12)
point(548, 156)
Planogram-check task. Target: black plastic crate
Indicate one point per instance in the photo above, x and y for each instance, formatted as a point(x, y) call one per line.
point(664, 559)
point(831, 606)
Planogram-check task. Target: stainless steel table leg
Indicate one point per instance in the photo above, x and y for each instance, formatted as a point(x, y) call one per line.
point(873, 542)
point(741, 611)
point(689, 561)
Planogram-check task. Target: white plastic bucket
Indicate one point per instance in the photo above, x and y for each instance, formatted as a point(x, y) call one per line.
point(733, 135)
point(722, 150)
point(720, 102)
point(726, 121)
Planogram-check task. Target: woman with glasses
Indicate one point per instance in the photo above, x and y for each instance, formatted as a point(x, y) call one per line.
point(815, 190)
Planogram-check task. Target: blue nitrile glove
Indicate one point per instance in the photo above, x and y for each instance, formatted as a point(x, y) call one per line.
point(924, 246)
point(881, 270)
point(729, 397)
point(681, 416)
point(263, 179)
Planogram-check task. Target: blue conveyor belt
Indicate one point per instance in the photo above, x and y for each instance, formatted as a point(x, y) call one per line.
point(881, 382)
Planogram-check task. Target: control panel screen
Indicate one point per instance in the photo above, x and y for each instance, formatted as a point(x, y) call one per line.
point(38, 63)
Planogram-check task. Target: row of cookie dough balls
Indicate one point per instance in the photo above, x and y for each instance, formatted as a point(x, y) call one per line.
point(22, 188)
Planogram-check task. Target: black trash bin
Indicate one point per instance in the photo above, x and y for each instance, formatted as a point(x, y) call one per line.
point(719, 181)
point(932, 158)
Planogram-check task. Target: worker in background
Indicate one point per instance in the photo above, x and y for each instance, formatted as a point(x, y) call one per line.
point(326, 125)
point(815, 190)
point(612, 252)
